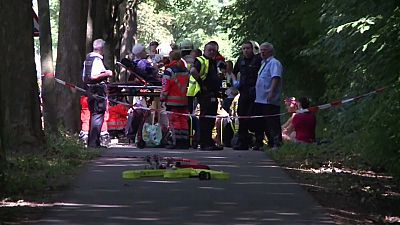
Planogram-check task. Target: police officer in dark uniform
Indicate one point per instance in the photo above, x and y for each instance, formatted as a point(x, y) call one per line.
point(247, 65)
point(210, 85)
point(94, 77)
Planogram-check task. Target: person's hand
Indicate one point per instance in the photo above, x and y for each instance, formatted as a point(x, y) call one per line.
point(270, 96)
point(108, 73)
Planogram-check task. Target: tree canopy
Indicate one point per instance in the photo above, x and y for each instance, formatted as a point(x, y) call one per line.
point(333, 50)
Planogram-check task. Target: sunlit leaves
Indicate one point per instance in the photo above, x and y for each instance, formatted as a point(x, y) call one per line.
point(334, 49)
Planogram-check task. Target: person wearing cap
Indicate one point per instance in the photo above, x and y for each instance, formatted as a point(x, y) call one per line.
point(94, 77)
point(247, 65)
point(267, 102)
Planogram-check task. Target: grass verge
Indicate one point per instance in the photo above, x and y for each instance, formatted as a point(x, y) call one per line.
point(342, 181)
point(35, 178)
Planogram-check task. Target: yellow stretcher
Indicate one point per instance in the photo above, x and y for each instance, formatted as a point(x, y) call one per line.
point(202, 174)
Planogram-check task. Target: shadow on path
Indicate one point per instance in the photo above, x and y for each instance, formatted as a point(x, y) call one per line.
point(259, 192)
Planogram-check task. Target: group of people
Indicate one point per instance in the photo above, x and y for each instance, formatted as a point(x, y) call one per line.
point(255, 80)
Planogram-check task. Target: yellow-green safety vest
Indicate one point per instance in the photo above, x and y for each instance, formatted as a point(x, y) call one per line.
point(194, 86)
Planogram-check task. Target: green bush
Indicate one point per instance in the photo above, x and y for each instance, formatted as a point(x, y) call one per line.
point(34, 175)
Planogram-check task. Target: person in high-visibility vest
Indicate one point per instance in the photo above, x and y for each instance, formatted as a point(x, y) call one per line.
point(205, 84)
point(174, 85)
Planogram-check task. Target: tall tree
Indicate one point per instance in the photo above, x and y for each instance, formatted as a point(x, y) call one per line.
point(284, 25)
point(199, 19)
point(89, 27)
point(105, 14)
point(70, 55)
point(46, 59)
point(20, 118)
point(129, 27)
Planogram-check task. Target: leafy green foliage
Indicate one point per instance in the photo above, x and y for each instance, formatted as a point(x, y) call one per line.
point(283, 24)
point(149, 24)
point(176, 21)
point(54, 14)
point(197, 17)
point(34, 175)
point(333, 50)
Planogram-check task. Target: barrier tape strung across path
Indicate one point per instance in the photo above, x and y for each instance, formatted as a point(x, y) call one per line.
point(333, 104)
point(339, 103)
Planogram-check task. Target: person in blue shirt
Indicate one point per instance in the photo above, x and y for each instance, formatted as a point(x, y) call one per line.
point(267, 102)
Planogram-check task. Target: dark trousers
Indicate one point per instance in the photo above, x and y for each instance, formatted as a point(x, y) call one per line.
point(96, 121)
point(194, 130)
point(270, 125)
point(97, 108)
point(245, 108)
point(208, 106)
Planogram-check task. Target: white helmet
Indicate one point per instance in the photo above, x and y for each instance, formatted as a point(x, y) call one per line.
point(256, 47)
point(164, 49)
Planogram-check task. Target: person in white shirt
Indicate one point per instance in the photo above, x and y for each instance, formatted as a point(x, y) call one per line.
point(268, 92)
point(94, 77)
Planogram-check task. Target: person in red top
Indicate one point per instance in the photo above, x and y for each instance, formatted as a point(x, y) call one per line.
point(118, 117)
point(304, 124)
point(85, 120)
point(174, 85)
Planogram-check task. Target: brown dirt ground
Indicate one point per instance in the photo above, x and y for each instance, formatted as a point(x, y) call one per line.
point(353, 198)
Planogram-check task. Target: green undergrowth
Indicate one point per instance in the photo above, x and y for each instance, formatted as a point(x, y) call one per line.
point(341, 154)
point(343, 177)
point(36, 175)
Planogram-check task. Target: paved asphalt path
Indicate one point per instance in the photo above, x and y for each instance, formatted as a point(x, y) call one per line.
point(258, 192)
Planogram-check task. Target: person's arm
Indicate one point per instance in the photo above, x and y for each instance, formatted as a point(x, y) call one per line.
point(274, 86)
point(276, 73)
point(235, 70)
point(195, 70)
point(290, 127)
point(99, 71)
point(106, 73)
point(288, 122)
point(165, 84)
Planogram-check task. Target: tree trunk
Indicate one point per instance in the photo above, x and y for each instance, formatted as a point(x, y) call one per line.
point(89, 27)
point(130, 28)
point(128, 14)
point(20, 118)
point(46, 59)
point(103, 25)
point(70, 55)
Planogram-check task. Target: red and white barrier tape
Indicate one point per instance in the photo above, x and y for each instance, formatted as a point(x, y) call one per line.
point(339, 103)
point(333, 104)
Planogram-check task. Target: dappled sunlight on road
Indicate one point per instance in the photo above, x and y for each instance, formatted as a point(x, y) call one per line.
point(333, 170)
point(22, 203)
point(163, 181)
point(258, 192)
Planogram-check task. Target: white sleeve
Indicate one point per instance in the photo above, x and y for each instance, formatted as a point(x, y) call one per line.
point(97, 67)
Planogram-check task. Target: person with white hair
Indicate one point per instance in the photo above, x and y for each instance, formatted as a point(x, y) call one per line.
point(94, 77)
point(144, 66)
point(267, 102)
